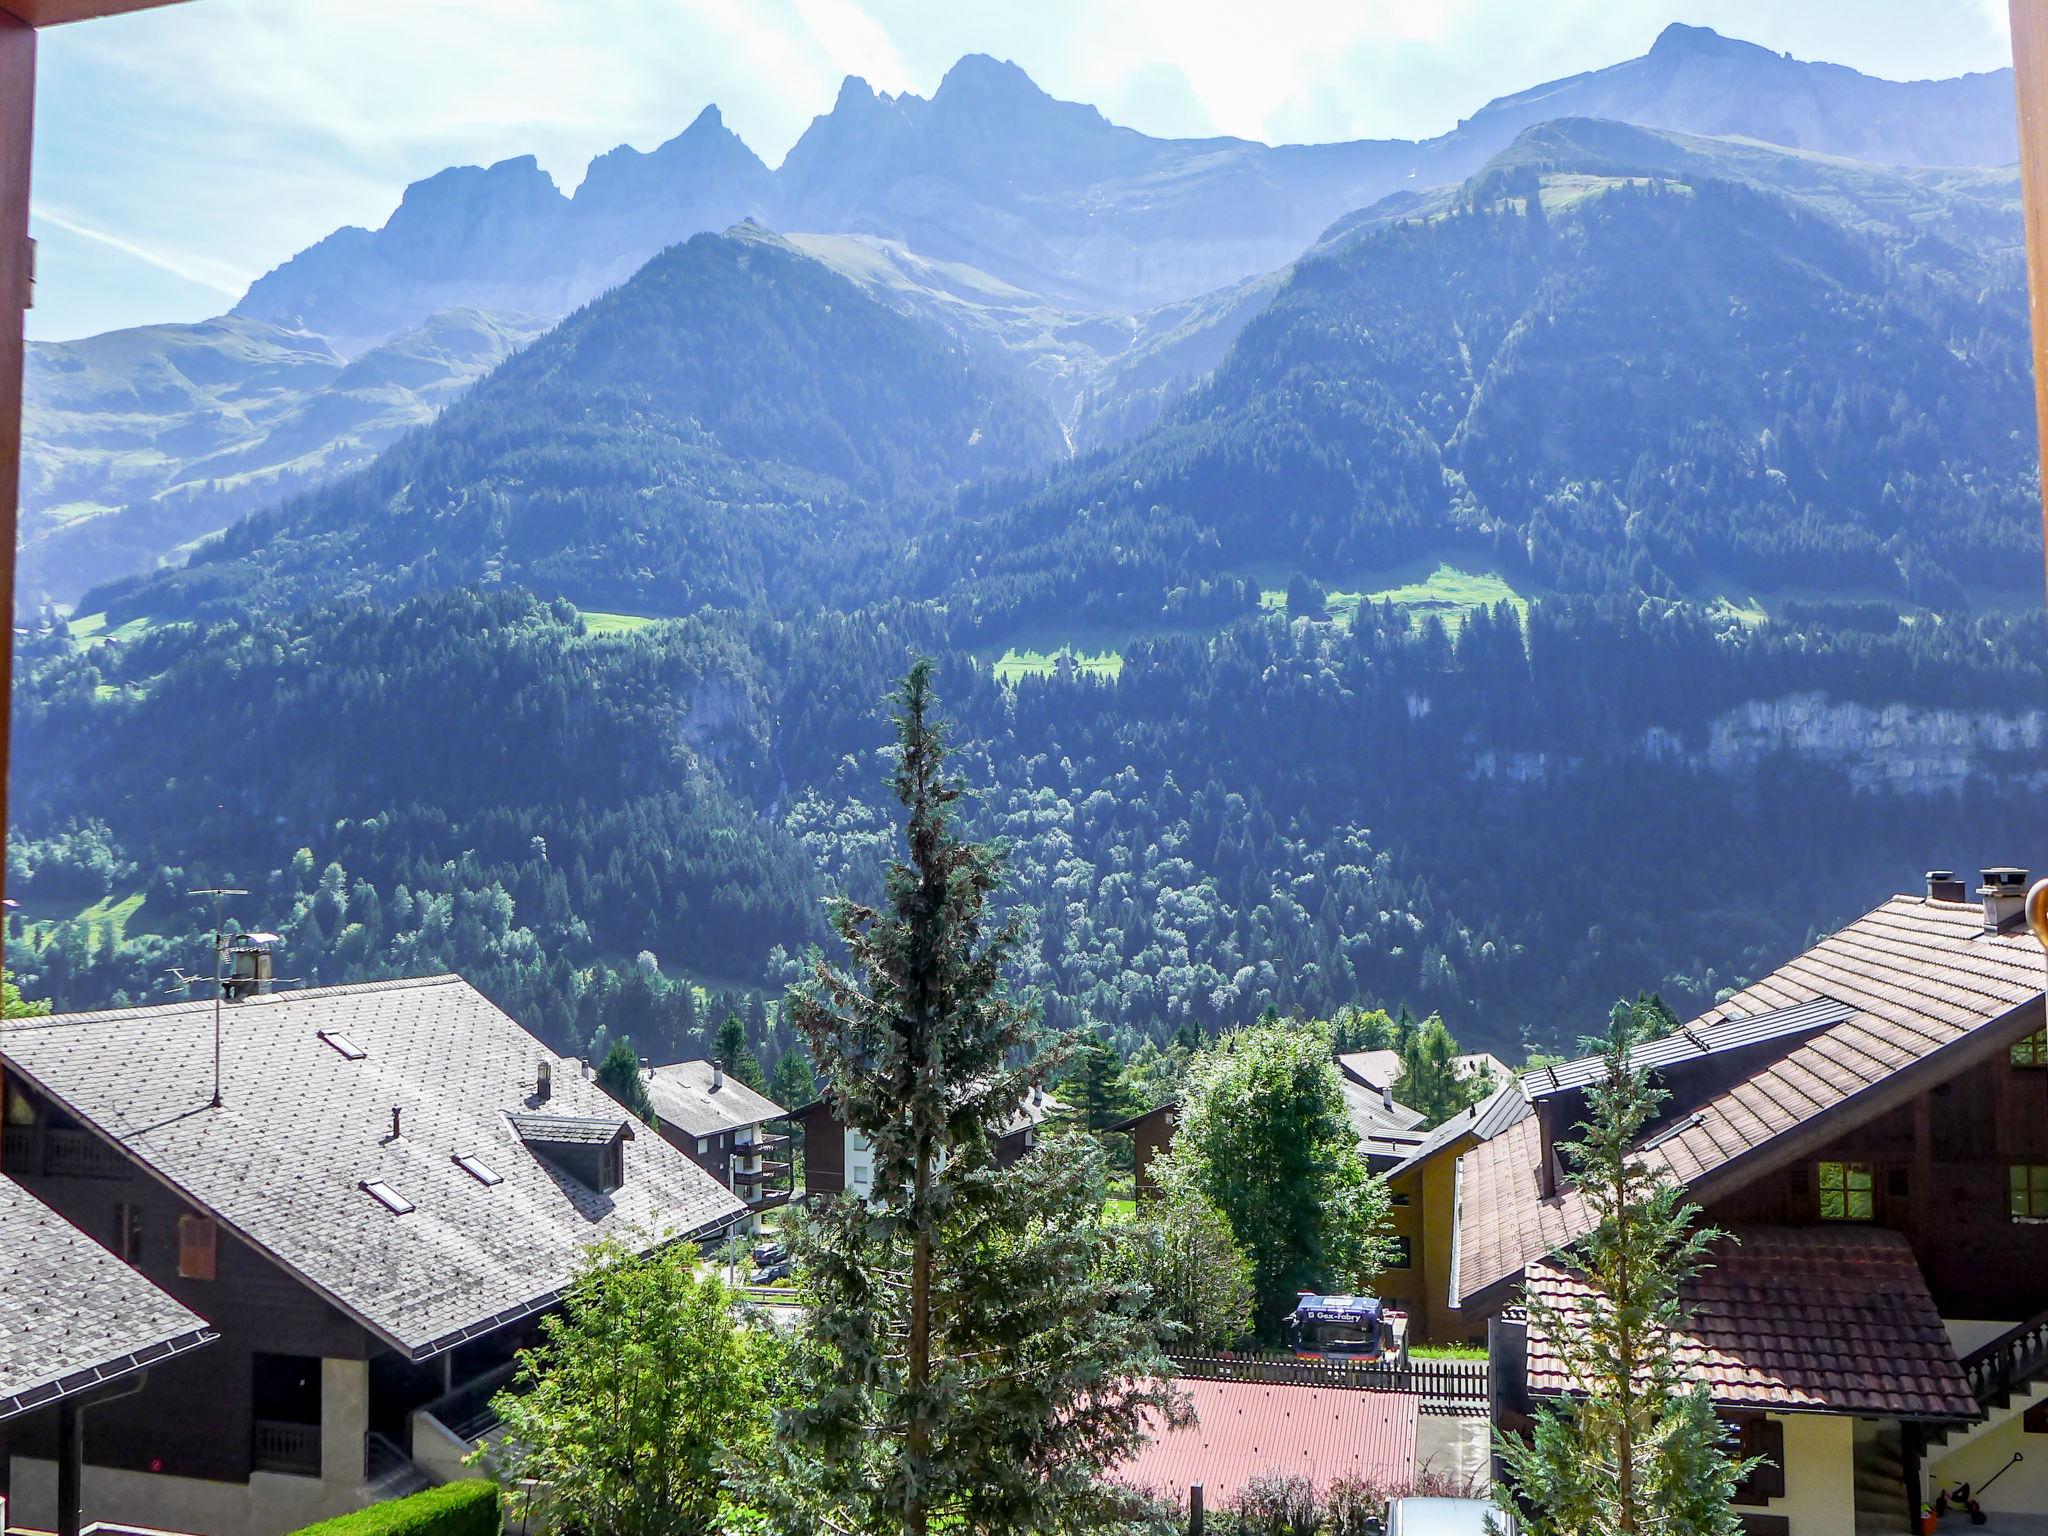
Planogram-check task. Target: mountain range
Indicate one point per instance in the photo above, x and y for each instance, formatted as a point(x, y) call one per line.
point(1114, 268)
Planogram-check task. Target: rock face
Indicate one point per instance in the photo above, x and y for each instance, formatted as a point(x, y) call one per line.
point(1896, 746)
point(1050, 196)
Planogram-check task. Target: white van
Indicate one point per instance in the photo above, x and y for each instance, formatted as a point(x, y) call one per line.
point(1447, 1517)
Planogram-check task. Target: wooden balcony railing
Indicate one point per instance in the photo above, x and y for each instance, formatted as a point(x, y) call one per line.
point(41, 1151)
point(286, 1447)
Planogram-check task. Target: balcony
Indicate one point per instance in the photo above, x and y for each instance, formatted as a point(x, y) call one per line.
point(293, 1449)
point(41, 1151)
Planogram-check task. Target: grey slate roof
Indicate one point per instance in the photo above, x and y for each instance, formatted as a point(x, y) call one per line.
point(1499, 1110)
point(1372, 1115)
point(1695, 1041)
point(73, 1316)
point(684, 1098)
point(301, 1128)
point(572, 1130)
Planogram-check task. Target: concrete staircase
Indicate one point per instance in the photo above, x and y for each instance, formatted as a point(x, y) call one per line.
point(1881, 1508)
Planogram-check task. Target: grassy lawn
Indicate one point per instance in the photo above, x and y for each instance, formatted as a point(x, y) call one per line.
point(110, 915)
point(616, 623)
point(1119, 1212)
point(1424, 586)
point(1447, 1351)
point(1013, 663)
point(91, 629)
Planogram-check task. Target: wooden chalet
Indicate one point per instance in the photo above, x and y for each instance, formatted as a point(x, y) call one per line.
point(1870, 1124)
point(397, 1181)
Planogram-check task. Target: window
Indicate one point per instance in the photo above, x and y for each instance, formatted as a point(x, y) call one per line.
point(1404, 1254)
point(128, 1233)
point(349, 1050)
point(1397, 1201)
point(2032, 1051)
point(1759, 1436)
point(2029, 1192)
point(198, 1248)
point(703, 1145)
point(388, 1197)
point(478, 1169)
point(612, 1167)
point(1848, 1192)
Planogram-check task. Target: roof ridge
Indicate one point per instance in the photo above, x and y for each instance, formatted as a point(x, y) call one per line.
point(85, 1016)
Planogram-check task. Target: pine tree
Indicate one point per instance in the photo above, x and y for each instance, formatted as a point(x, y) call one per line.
point(794, 1084)
point(739, 1058)
point(1093, 1084)
point(1430, 1082)
point(619, 1075)
point(1638, 1449)
point(964, 1364)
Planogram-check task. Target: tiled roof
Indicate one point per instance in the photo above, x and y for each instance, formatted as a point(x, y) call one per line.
point(72, 1316)
point(1799, 1319)
point(1371, 1113)
point(1504, 1107)
point(1247, 1429)
point(684, 1098)
point(302, 1128)
point(1920, 976)
point(571, 1130)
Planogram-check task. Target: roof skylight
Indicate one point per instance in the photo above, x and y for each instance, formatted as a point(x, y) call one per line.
point(348, 1048)
point(478, 1169)
point(388, 1197)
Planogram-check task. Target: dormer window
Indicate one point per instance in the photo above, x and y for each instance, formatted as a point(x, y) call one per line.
point(590, 1149)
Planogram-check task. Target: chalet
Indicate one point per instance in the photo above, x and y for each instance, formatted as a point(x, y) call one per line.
point(1869, 1122)
point(837, 1159)
point(389, 1186)
point(724, 1127)
point(77, 1328)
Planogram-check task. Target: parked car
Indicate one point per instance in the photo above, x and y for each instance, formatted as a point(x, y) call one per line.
point(1447, 1517)
point(770, 1251)
point(768, 1274)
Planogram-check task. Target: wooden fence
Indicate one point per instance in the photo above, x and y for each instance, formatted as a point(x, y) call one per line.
point(1445, 1386)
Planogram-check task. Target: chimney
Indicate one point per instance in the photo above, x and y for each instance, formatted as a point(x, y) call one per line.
point(717, 1074)
point(251, 969)
point(646, 1069)
point(2005, 896)
point(544, 1083)
point(395, 1133)
point(1942, 885)
point(1387, 1097)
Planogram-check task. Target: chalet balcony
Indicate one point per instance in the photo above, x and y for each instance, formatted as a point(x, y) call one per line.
point(281, 1446)
point(50, 1152)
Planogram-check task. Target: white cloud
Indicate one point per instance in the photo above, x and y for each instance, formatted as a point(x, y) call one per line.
point(855, 43)
point(206, 272)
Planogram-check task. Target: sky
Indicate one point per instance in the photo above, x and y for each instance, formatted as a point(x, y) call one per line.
point(183, 152)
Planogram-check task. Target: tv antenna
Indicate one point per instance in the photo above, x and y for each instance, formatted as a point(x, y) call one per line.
point(219, 893)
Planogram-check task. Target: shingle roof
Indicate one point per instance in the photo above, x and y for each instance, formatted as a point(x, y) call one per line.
point(301, 1129)
point(1377, 1069)
point(1249, 1429)
point(72, 1316)
point(1499, 1110)
point(1371, 1114)
point(1696, 1040)
point(571, 1130)
point(1921, 977)
point(684, 1098)
point(1799, 1319)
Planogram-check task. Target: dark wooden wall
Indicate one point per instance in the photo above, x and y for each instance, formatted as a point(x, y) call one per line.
point(1941, 1165)
point(824, 1150)
point(193, 1419)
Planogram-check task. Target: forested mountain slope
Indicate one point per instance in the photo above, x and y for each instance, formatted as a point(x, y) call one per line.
point(736, 425)
point(1605, 382)
point(1514, 824)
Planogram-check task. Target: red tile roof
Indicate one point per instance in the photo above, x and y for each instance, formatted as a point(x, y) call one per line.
point(1922, 975)
point(1799, 1319)
point(1248, 1429)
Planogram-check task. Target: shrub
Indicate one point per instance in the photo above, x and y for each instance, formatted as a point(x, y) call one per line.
point(468, 1508)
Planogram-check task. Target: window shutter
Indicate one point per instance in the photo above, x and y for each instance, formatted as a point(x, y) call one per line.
point(1759, 1436)
point(197, 1248)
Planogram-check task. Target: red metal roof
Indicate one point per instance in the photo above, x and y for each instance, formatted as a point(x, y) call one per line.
point(1245, 1429)
point(1800, 1319)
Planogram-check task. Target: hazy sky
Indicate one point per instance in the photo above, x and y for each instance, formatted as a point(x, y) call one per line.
point(181, 153)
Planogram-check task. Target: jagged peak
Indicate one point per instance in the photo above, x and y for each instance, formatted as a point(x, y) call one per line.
point(709, 120)
point(982, 73)
point(853, 92)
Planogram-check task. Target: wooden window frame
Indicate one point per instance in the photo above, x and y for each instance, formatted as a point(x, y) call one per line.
point(2030, 1052)
point(2026, 1191)
point(1853, 1177)
point(198, 1248)
point(128, 1228)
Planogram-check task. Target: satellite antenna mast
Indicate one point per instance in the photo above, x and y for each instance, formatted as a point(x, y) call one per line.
point(220, 984)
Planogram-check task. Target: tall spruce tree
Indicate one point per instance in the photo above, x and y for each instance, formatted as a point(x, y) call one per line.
point(619, 1075)
point(1637, 1448)
point(963, 1365)
point(733, 1049)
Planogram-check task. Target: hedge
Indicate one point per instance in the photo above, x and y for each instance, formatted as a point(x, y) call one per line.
point(468, 1508)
